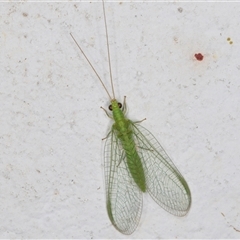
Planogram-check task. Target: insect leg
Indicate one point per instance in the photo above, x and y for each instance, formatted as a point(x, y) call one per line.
point(106, 112)
point(140, 121)
point(124, 108)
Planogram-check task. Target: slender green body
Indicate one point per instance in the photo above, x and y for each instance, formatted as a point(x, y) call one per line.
point(123, 127)
point(135, 162)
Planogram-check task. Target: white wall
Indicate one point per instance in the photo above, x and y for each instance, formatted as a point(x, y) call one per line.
point(51, 152)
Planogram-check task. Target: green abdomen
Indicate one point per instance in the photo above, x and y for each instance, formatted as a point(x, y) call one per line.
point(133, 161)
point(124, 133)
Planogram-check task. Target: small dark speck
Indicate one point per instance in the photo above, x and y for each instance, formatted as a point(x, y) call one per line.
point(229, 40)
point(235, 229)
point(180, 10)
point(25, 14)
point(175, 39)
point(199, 56)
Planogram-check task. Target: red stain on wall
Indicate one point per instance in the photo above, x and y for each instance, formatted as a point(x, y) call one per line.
point(199, 56)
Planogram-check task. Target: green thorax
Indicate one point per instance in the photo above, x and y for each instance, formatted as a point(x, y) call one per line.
point(116, 111)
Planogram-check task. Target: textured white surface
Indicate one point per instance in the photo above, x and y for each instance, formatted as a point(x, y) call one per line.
point(51, 173)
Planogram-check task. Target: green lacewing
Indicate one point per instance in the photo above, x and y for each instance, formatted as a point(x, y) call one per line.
point(135, 163)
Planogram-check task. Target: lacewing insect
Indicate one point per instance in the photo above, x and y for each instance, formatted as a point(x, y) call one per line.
point(134, 163)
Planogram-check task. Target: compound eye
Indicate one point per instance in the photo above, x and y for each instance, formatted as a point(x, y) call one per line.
point(110, 107)
point(119, 105)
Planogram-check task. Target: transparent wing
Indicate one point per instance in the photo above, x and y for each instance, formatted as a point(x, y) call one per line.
point(124, 198)
point(164, 182)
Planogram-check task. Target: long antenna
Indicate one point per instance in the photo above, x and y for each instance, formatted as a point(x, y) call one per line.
point(108, 51)
point(91, 66)
point(108, 54)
